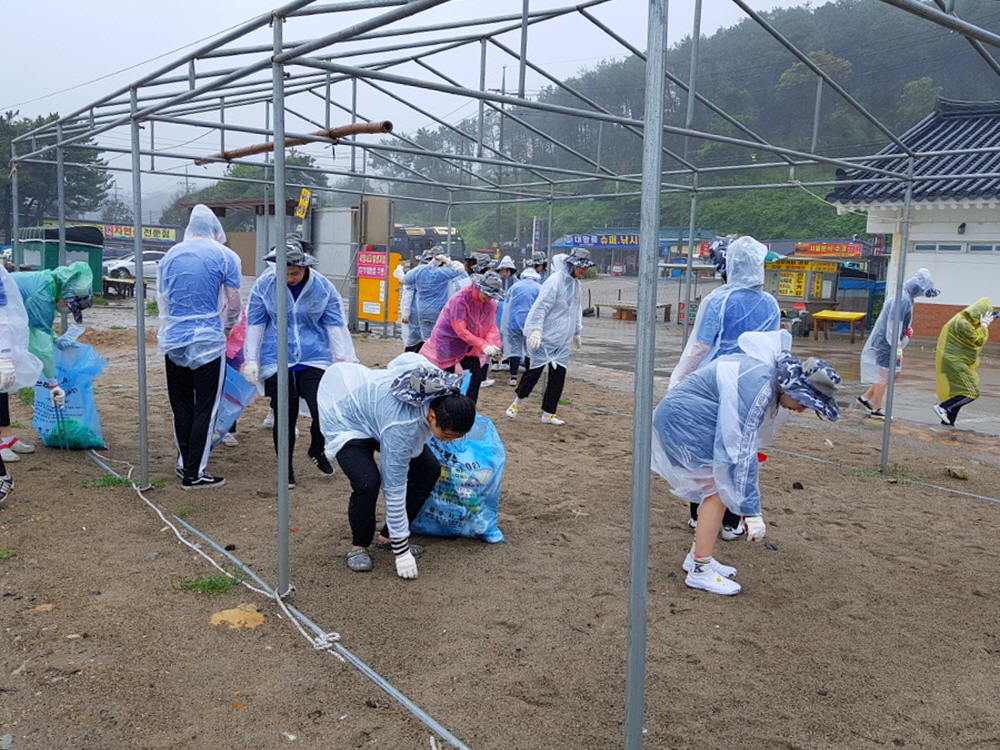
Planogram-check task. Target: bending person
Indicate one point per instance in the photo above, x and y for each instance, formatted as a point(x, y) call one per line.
point(738, 306)
point(315, 315)
point(959, 350)
point(392, 412)
point(466, 332)
point(707, 431)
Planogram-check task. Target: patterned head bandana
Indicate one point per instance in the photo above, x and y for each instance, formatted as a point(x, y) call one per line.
point(812, 383)
point(424, 384)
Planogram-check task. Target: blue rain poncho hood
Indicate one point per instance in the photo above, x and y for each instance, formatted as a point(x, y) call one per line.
point(357, 403)
point(880, 351)
point(738, 306)
point(191, 283)
point(708, 429)
point(557, 313)
point(313, 319)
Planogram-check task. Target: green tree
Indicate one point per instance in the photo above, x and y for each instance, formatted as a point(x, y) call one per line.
point(116, 211)
point(85, 186)
point(916, 102)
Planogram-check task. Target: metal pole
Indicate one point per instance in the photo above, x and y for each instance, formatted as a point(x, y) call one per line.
point(15, 216)
point(524, 48)
point(482, 104)
point(354, 118)
point(645, 334)
point(819, 100)
point(895, 323)
point(61, 198)
point(693, 74)
point(690, 268)
point(140, 297)
point(281, 415)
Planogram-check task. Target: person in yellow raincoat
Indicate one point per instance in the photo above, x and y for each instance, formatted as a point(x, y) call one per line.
point(958, 353)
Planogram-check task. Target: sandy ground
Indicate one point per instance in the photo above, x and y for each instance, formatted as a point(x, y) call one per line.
point(869, 621)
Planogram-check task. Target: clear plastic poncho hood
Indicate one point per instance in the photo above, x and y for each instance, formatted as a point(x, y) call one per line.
point(557, 313)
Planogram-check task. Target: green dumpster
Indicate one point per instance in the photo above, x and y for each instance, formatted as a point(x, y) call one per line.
point(39, 248)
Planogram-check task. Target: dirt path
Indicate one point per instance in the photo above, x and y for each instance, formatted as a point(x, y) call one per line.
point(871, 622)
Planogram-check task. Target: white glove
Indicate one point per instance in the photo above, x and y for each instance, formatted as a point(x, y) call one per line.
point(251, 371)
point(406, 565)
point(405, 319)
point(577, 341)
point(57, 396)
point(756, 530)
point(535, 339)
point(492, 351)
point(983, 321)
point(7, 374)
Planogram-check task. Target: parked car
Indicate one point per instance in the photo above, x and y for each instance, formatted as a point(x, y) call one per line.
point(125, 267)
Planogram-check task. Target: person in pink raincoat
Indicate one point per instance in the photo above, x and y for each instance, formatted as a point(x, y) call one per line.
point(466, 332)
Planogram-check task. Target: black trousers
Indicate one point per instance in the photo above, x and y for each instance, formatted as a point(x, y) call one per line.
point(194, 398)
point(553, 390)
point(301, 384)
point(952, 405)
point(478, 371)
point(357, 459)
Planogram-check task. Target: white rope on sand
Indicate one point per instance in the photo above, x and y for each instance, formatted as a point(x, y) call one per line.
point(323, 641)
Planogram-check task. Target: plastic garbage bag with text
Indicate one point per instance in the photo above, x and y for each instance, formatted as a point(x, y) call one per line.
point(76, 425)
point(466, 500)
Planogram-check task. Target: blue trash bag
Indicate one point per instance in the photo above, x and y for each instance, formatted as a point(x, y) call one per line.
point(466, 500)
point(236, 396)
point(76, 425)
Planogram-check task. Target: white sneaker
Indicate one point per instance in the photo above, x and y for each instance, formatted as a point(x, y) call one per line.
point(268, 422)
point(512, 381)
point(730, 533)
point(487, 383)
point(703, 576)
point(942, 414)
point(512, 410)
point(9, 456)
point(552, 419)
point(230, 439)
point(19, 446)
point(692, 523)
point(726, 571)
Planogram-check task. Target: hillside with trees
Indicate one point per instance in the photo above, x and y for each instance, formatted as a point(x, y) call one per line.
point(893, 63)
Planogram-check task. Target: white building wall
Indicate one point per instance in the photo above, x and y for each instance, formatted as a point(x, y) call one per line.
point(963, 276)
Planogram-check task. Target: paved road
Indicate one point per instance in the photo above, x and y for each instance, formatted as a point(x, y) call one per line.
point(608, 356)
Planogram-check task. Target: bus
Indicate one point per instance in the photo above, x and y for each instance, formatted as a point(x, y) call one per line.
point(411, 241)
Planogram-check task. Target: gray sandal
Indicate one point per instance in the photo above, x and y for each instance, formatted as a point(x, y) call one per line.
point(359, 560)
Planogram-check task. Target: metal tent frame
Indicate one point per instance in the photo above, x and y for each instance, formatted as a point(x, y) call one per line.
point(249, 84)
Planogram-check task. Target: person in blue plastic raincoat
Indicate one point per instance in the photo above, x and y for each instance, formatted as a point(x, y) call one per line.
point(408, 308)
point(432, 287)
point(880, 350)
point(19, 368)
point(959, 348)
point(738, 306)
point(553, 323)
point(392, 412)
point(44, 293)
point(315, 319)
point(707, 430)
point(518, 302)
point(198, 295)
